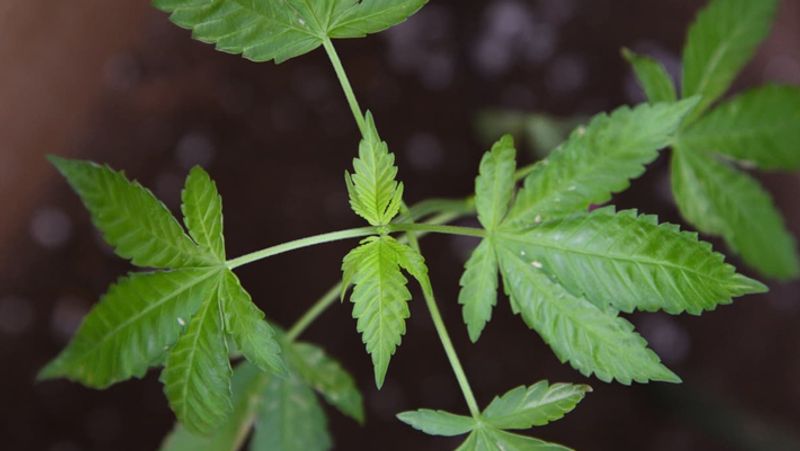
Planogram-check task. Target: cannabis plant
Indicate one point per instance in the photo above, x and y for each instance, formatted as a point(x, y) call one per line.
point(568, 266)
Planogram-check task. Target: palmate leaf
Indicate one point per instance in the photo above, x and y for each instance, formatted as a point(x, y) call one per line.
point(282, 29)
point(720, 42)
point(374, 193)
point(245, 322)
point(596, 161)
point(723, 201)
point(290, 418)
point(652, 77)
point(131, 327)
point(537, 405)
point(202, 212)
point(327, 377)
point(488, 438)
point(478, 293)
point(630, 262)
point(592, 340)
point(760, 127)
point(136, 224)
point(380, 297)
point(247, 385)
point(438, 422)
point(197, 373)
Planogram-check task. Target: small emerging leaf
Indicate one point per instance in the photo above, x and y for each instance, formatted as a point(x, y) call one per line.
point(760, 127)
point(653, 78)
point(375, 195)
point(197, 372)
point(719, 43)
point(437, 422)
point(537, 405)
point(136, 224)
point(202, 212)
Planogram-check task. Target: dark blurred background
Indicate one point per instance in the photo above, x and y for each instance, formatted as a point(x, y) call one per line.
point(116, 82)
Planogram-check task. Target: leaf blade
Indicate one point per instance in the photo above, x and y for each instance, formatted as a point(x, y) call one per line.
point(537, 405)
point(202, 212)
point(437, 422)
point(652, 77)
point(494, 185)
point(478, 294)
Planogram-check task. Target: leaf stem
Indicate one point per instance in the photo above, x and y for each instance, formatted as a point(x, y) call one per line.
point(345, 82)
point(444, 229)
point(300, 243)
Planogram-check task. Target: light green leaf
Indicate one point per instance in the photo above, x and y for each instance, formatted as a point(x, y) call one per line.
point(494, 185)
point(282, 29)
point(631, 262)
point(437, 422)
point(537, 405)
point(760, 127)
point(375, 195)
point(380, 298)
point(478, 293)
point(202, 212)
point(592, 340)
point(596, 161)
point(290, 418)
point(245, 322)
point(133, 221)
point(720, 200)
point(327, 377)
point(720, 42)
point(132, 326)
point(652, 77)
point(491, 439)
point(248, 384)
point(197, 373)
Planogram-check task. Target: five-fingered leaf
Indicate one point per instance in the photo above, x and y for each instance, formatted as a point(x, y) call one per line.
point(197, 373)
point(290, 418)
point(721, 200)
point(630, 262)
point(760, 127)
point(596, 161)
point(591, 339)
point(380, 297)
point(375, 195)
point(537, 405)
point(282, 29)
point(719, 43)
point(654, 79)
point(136, 224)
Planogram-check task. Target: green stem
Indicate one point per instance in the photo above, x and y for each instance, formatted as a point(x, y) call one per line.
point(444, 229)
point(300, 243)
point(348, 90)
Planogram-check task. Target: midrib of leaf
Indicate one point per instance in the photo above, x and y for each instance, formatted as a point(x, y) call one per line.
point(190, 361)
point(133, 319)
point(609, 255)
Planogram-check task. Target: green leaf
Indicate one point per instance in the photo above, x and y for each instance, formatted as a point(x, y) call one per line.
point(290, 418)
point(280, 30)
point(202, 212)
point(131, 327)
point(197, 373)
point(592, 340)
point(760, 127)
point(133, 221)
point(478, 293)
point(494, 185)
point(437, 422)
point(652, 77)
point(380, 298)
point(537, 405)
point(327, 377)
point(248, 384)
point(720, 42)
point(245, 322)
point(596, 161)
point(491, 439)
point(375, 195)
point(720, 200)
point(630, 262)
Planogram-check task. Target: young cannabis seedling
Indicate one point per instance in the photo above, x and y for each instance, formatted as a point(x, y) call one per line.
point(567, 271)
